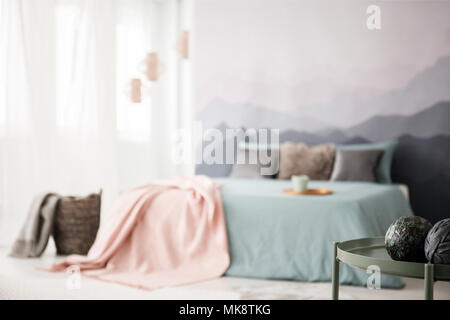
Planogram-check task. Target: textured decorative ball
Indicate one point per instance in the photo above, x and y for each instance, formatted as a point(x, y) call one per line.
point(437, 243)
point(405, 239)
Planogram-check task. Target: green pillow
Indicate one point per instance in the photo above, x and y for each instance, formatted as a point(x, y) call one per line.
point(383, 171)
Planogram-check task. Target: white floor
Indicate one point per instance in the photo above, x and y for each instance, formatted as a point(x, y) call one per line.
point(19, 279)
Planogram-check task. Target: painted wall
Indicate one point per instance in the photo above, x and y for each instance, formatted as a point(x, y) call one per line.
point(314, 70)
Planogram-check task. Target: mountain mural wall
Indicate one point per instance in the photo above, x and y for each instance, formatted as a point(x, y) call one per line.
point(336, 82)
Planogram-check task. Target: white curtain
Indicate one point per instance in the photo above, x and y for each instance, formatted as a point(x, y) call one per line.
point(66, 124)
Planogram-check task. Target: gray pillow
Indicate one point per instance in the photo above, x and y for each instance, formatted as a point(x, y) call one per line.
point(246, 171)
point(383, 171)
point(256, 171)
point(356, 165)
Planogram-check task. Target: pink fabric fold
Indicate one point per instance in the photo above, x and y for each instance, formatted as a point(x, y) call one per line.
point(162, 234)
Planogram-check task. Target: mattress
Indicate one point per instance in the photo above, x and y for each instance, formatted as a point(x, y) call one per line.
point(278, 236)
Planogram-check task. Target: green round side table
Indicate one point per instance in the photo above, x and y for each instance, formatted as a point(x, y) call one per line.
point(362, 253)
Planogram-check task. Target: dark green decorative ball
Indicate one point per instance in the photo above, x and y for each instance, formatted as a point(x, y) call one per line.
point(405, 239)
point(437, 243)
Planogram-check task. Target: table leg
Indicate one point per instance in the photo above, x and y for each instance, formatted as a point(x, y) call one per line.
point(429, 281)
point(335, 274)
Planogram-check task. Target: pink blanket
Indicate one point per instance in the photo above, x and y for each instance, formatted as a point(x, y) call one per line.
point(159, 235)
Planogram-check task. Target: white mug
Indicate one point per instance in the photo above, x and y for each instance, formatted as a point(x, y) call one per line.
point(300, 183)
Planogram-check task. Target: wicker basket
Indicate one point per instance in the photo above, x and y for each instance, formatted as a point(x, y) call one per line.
point(76, 224)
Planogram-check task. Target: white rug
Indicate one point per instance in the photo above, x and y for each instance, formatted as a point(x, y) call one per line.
point(20, 280)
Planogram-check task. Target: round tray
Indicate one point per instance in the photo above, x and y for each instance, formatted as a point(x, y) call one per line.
point(310, 192)
point(362, 253)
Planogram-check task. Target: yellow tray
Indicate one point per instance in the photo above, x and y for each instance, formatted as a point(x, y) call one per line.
point(310, 192)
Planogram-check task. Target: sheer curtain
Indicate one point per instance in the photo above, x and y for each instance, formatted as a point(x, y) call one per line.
point(66, 124)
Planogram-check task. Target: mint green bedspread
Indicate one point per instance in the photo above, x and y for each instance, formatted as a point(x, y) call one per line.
point(277, 236)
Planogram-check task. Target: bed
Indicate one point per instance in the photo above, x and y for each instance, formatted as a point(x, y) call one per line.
point(277, 236)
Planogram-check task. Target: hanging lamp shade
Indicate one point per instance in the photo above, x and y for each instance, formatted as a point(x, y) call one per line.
point(183, 45)
point(136, 90)
point(152, 66)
